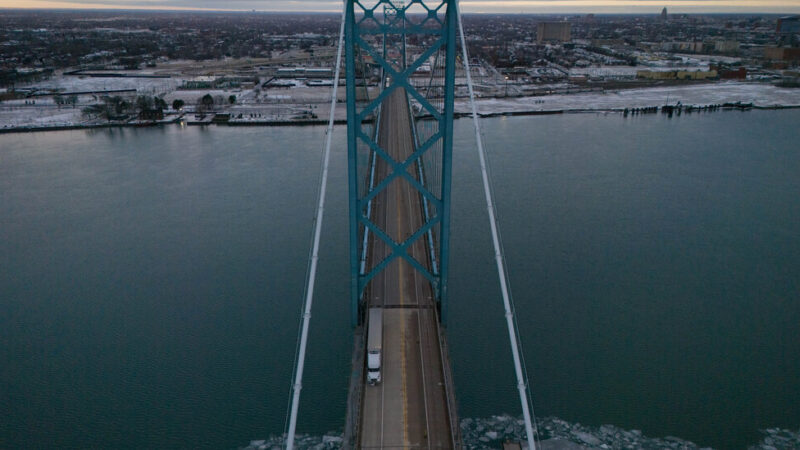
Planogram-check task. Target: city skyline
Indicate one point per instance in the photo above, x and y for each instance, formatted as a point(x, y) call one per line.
point(473, 6)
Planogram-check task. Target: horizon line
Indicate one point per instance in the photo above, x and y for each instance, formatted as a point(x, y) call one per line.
point(167, 9)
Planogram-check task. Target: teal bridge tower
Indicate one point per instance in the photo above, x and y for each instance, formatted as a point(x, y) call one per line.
point(411, 46)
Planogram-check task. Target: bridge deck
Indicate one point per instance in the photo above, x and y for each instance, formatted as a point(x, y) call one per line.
point(410, 407)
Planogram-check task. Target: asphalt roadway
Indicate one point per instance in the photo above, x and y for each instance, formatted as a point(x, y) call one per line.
point(409, 409)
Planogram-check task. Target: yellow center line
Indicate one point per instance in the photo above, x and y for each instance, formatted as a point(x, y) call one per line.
point(401, 279)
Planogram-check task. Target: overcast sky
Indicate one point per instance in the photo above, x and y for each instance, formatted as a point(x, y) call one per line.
point(507, 6)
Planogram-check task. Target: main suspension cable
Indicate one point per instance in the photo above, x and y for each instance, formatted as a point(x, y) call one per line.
point(312, 272)
point(501, 271)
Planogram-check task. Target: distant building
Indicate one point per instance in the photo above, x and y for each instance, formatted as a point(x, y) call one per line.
point(726, 46)
point(304, 72)
point(676, 74)
point(274, 83)
point(690, 47)
point(789, 25)
point(738, 74)
point(235, 81)
point(728, 73)
point(664, 13)
point(608, 42)
point(782, 53)
point(198, 83)
point(553, 31)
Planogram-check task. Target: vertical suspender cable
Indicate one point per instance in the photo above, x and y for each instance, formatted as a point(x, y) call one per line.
point(512, 335)
point(312, 272)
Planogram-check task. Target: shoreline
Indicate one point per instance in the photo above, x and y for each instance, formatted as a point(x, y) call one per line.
point(323, 122)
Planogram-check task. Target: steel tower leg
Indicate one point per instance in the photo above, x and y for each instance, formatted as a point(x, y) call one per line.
point(352, 163)
point(447, 153)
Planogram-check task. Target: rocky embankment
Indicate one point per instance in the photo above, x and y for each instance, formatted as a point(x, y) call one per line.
point(554, 434)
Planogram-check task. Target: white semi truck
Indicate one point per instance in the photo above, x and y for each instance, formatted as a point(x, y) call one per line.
point(374, 345)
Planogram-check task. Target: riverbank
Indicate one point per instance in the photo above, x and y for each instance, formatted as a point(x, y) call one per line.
point(260, 123)
point(321, 122)
point(759, 95)
point(84, 127)
point(694, 98)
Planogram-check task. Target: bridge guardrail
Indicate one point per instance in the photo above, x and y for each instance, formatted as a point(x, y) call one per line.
point(449, 389)
point(352, 422)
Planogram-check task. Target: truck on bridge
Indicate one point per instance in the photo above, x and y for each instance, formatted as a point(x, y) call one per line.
point(374, 345)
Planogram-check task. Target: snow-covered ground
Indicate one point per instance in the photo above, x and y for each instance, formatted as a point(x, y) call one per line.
point(150, 86)
point(610, 71)
point(701, 94)
point(628, 71)
point(39, 116)
point(676, 60)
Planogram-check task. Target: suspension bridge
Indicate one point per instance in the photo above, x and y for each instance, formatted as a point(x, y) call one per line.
point(400, 60)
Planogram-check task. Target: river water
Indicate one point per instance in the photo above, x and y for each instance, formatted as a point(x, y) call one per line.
point(151, 279)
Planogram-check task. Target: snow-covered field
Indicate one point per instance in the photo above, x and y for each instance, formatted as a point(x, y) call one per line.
point(676, 60)
point(149, 86)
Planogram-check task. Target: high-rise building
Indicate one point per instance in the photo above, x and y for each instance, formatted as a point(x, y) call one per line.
point(553, 31)
point(789, 25)
point(664, 13)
